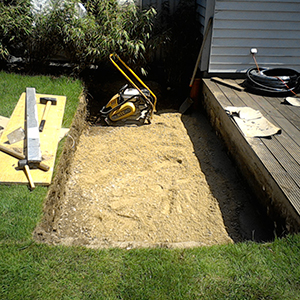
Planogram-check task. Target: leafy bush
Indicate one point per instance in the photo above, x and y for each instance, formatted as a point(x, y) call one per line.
point(58, 33)
point(107, 27)
point(15, 27)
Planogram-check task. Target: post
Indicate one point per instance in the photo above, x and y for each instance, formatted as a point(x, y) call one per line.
point(33, 151)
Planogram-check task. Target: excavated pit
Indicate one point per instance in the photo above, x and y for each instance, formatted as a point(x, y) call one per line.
point(167, 184)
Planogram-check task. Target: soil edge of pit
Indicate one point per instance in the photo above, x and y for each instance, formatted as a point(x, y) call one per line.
point(45, 230)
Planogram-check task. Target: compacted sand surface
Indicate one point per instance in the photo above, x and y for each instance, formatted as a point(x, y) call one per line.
point(166, 184)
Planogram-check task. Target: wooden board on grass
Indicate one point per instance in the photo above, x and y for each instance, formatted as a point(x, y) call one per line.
point(49, 139)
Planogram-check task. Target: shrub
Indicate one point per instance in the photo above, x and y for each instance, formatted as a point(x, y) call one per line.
point(60, 32)
point(15, 27)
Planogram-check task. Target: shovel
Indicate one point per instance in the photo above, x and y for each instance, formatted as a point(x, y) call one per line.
point(189, 101)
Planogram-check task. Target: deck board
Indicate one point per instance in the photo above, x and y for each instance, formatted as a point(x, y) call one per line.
point(289, 112)
point(277, 149)
point(274, 163)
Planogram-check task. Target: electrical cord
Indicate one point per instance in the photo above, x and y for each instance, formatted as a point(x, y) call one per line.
point(278, 81)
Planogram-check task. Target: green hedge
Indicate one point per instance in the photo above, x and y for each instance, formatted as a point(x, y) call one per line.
point(107, 28)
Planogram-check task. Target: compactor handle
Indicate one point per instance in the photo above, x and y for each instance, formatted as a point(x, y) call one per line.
point(114, 57)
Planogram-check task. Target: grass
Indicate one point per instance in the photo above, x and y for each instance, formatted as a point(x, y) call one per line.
point(21, 210)
point(13, 85)
point(242, 271)
point(38, 271)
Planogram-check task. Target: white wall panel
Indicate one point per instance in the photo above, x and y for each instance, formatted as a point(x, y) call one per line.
point(273, 27)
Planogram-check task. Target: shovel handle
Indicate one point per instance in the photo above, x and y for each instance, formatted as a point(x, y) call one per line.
point(201, 50)
point(12, 152)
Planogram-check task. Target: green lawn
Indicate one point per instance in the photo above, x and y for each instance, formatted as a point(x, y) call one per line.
point(20, 210)
point(33, 271)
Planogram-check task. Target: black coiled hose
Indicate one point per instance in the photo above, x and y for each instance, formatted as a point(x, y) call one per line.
point(278, 81)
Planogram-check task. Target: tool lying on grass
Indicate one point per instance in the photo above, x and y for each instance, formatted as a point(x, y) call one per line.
point(133, 104)
point(48, 101)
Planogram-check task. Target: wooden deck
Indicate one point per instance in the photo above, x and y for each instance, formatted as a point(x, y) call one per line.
point(270, 165)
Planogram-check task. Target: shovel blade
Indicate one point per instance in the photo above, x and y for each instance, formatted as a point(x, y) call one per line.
point(186, 105)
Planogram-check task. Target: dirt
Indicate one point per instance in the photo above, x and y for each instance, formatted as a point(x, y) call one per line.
point(167, 184)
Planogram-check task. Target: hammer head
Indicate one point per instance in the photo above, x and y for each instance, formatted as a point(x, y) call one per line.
point(44, 100)
point(22, 163)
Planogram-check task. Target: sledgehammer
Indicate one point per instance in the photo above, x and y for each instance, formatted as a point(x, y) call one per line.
point(48, 101)
point(22, 164)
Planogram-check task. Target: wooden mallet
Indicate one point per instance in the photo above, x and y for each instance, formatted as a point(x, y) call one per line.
point(48, 101)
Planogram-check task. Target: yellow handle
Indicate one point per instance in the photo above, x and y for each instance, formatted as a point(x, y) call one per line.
point(46, 110)
point(27, 172)
point(114, 56)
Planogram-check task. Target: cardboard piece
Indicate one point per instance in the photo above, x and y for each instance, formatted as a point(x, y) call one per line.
point(251, 122)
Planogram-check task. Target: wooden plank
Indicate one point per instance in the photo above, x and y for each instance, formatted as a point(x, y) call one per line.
point(278, 117)
point(228, 83)
point(284, 138)
point(3, 124)
point(270, 169)
point(48, 142)
point(285, 168)
point(238, 146)
point(217, 92)
point(292, 113)
point(281, 176)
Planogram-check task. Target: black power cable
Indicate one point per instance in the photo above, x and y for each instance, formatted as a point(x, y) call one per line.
point(277, 81)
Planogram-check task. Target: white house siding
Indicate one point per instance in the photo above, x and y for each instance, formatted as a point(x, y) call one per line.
point(273, 27)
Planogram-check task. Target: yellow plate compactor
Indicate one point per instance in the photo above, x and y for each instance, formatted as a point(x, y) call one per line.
point(134, 104)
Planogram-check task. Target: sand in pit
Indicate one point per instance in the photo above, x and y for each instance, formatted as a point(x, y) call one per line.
point(151, 185)
point(165, 184)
